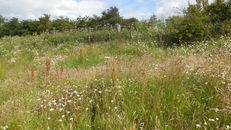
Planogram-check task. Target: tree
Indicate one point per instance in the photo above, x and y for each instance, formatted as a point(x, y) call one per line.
point(29, 27)
point(190, 27)
point(111, 16)
point(95, 22)
point(61, 24)
point(202, 3)
point(2, 20)
point(153, 19)
point(219, 14)
point(13, 27)
point(83, 22)
point(44, 23)
point(129, 22)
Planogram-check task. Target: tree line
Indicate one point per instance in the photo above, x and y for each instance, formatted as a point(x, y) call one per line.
point(14, 26)
point(200, 21)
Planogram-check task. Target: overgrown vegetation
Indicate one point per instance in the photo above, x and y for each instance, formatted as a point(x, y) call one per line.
point(71, 78)
point(108, 20)
point(199, 22)
point(113, 85)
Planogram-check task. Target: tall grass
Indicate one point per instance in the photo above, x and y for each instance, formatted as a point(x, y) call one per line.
point(113, 85)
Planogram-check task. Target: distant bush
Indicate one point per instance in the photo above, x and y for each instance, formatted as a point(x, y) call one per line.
point(199, 23)
point(59, 38)
point(45, 24)
point(141, 33)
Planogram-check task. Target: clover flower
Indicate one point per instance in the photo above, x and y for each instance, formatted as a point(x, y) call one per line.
point(4, 127)
point(198, 125)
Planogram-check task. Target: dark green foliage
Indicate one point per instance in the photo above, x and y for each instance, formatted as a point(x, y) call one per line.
point(44, 23)
point(62, 24)
point(219, 17)
point(191, 27)
point(111, 16)
point(2, 20)
point(129, 22)
point(12, 27)
point(200, 22)
point(83, 22)
point(29, 27)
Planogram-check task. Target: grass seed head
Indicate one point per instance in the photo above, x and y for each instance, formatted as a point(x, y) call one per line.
point(113, 74)
point(32, 74)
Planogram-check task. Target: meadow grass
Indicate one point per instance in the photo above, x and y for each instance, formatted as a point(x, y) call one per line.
point(118, 84)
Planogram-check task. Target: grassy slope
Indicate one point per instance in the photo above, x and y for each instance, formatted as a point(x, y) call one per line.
point(119, 85)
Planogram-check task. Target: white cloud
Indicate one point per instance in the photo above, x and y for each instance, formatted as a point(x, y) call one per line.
point(139, 15)
point(172, 7)
point(31, 9)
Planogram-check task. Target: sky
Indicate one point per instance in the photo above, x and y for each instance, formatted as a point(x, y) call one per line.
point(141, 9)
